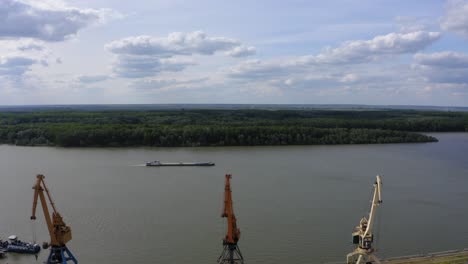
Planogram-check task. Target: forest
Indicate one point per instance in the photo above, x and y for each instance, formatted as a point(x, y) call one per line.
point(195, 127)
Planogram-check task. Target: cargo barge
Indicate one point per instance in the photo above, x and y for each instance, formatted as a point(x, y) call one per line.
point(157, 163)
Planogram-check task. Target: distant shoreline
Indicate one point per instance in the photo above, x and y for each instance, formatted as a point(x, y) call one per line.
point(223, 127)
point(142, 107)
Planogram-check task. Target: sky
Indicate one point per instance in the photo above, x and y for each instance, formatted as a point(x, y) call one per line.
point(375, 52)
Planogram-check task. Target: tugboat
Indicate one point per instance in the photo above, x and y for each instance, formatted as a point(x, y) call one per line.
point(157, 163)
point(17, 246)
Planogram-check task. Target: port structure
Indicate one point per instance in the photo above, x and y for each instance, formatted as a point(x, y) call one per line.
point(231, 253)
point(363, 236)
point(59, 232)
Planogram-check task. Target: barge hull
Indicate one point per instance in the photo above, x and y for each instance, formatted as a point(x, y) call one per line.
point(180, 164)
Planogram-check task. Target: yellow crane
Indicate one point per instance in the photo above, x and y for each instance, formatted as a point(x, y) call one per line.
point(59, 232)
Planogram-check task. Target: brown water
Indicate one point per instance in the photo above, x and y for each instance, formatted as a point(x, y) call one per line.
point(294, 204)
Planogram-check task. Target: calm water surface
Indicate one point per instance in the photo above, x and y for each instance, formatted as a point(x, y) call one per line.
point(294, 204)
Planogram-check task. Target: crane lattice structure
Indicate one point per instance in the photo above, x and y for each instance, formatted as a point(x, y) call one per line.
point(231, 253)
point(363, 236)
point(59, 232)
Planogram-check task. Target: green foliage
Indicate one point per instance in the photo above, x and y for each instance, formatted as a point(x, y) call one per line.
point(224, 127)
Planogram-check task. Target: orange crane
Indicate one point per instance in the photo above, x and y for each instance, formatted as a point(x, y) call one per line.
point(59, 232)
point(231, 253)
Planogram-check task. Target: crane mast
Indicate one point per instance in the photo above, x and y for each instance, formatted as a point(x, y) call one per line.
point(59, 232)
point(231, 253)
point(363, 236)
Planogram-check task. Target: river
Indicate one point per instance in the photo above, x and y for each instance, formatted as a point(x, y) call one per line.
point(294, 204)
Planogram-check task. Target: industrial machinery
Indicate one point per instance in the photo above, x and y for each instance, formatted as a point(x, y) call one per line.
point(231, 253)
point(59, 232)
point(363, 235)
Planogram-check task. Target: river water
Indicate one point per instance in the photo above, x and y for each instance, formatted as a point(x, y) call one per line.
point(295, 204)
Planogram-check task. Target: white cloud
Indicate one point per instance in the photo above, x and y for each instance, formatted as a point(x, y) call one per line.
point(349, 78)
point(30, 45)
point(315, 81)
point(443, 67)
point(91, 78)
point(22, 45)
point(349, 53)
point(44, 20)
point(445, 59)
point(176, 43)
point(45, 4)
point(149, 84)
point(15, 66)
point(359, 51)
point(129, 66)
point(145, 56)
point(241, 51)
point(360, 66)
point(257, 69)
point(408, 24)
point(456, 17)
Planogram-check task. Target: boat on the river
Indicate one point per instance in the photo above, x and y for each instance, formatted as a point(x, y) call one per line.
point(158, 163)
point(17, 246)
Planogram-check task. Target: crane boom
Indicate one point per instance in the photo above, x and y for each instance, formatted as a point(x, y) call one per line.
point(59, 232)
point(376, 201)
point(363, 236)
point(231, 253)
point(233, 233)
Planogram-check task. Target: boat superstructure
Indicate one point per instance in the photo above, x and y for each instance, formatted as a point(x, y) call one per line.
point(17, 246)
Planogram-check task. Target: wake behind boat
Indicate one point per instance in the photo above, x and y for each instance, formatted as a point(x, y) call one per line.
point(157, 163)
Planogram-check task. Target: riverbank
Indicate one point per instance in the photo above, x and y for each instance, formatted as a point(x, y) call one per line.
point(198, 128)
point(445, 257)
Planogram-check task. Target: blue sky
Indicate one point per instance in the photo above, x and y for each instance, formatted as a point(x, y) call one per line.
point(317, 52)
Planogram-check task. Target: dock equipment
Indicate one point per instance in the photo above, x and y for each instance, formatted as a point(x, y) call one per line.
point(59, 232)
point(363, 236)
point(231, 253)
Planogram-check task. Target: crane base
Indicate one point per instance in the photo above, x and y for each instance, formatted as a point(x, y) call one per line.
point(358, 257)
point(231, 255)
point(60, 255)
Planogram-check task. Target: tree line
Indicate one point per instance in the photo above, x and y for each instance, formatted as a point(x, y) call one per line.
point(188, 128)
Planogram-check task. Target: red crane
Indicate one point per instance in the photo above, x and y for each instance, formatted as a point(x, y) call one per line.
point(231, 253)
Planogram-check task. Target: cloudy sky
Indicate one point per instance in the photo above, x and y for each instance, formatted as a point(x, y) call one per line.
point(317, 52)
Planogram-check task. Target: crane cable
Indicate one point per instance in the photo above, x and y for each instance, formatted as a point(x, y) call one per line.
point(223, 222)
point(378, 233)
point(33, 230)
point(366, 209)
point(379, 227)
